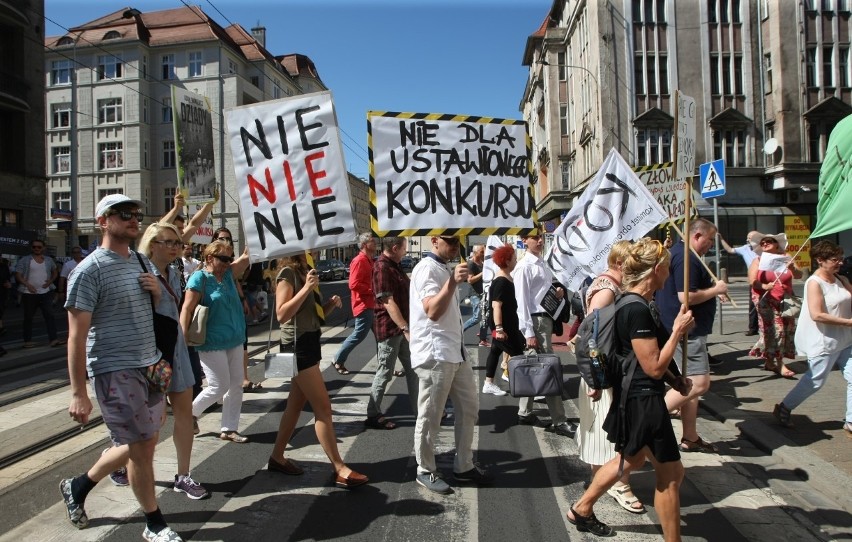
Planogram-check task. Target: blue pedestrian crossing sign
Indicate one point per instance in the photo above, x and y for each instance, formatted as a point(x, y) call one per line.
point(712, 178)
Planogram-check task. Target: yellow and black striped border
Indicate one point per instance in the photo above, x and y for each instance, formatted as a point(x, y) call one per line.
point(638, 170)
point(374, 222)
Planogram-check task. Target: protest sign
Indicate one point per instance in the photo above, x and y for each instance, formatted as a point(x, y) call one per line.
point(291, 177)
point(193, 126)
point(204, 233)
point(433, 174)
point(798, 232)
point(615, 206)
point(685, 122)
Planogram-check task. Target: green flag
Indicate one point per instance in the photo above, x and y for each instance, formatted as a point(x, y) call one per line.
point(835, 182)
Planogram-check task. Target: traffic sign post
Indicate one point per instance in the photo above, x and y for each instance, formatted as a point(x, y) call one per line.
point(712, 178)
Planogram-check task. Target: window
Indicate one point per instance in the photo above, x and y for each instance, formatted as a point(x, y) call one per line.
point(828, 66)
point(61, 159)
point(111, 155)
point(232, 67)
point(144, 109)
point(276, 88)
point(818, 133)
point(255, 80)
point(563, 119)
point(168, 155)
point(145, 154)
point(714, 74)
point(561, 59)
point(810, 68)
point(109, 110)
point(167, 110)
point(738, 75)
point(168, 64)
point(735, 12)
point(112, 35)
point(654, 146)
point(664, 73)
point(144, 73)
point(767, 73)
point(60, 72)
point(843, 65)
point(104, 192)
point(169, 197)
point(726, 75)
point(61, 200)
point(195, 63)
point(730, 145)
point(11, 217)
point(109, 67)
point(639, 74)
point(61, 115)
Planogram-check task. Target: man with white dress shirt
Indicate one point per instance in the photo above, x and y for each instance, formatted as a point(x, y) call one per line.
point(533, 278)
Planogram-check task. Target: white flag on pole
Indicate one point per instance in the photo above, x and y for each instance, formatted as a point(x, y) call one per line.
point(615, 206)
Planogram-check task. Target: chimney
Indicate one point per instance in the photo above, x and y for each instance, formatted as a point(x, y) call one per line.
point(259, 33)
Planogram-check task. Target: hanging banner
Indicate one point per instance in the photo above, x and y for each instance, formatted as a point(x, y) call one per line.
point(291, 176)
point(193, 125)
point(434, 174)
point(615, 206)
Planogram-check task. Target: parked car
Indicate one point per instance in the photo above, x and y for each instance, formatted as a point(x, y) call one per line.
point(331, 270)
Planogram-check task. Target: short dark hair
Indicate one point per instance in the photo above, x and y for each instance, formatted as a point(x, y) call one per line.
point(825, 250)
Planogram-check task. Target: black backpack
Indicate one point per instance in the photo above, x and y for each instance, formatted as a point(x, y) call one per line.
point(596, 346)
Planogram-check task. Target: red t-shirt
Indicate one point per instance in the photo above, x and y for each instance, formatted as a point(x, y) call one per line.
point(361, 284)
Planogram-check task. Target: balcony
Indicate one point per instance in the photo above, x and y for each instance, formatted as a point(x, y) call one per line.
point(13, 92)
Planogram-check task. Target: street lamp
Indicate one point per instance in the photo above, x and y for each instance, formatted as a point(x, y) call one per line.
point(544, 62)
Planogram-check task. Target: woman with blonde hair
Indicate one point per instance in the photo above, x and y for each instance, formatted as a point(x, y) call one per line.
point(643, 430)
point(594, 448)
point(221, 355)
point(301, 327)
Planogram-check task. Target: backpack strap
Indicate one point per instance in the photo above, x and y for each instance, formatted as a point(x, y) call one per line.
point(628, 370)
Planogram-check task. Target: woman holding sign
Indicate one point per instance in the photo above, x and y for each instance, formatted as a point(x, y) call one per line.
point(296, 303)
point(771, 278)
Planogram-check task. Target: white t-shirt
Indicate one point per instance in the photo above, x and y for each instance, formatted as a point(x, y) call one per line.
point(38, 276)
point(817, 339)
point(439, 340)
point(189, 266)
point(747, 254)
point(67, 267)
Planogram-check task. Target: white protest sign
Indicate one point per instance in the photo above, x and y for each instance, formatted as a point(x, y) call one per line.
point(615, 206)
point(433, 173)
point(204, 234)
point(685, 123)
point(291, 177)
point(489, 268)
point(193, 126)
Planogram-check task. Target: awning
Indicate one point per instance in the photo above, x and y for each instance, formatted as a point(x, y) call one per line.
point(747, 211)
point(15, 241)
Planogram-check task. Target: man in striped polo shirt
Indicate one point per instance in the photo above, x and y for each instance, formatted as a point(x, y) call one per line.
point(111, 340)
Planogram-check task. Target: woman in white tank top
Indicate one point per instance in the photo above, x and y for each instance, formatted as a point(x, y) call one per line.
point(824, 332)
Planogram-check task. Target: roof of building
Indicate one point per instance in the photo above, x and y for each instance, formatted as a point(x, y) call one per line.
point(298, 65)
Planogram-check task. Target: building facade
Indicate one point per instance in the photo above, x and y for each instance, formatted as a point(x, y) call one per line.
point(22, 172)
point(113, 77)
point(770, 80)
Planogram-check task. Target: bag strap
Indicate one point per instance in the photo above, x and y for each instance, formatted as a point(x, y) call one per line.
point(272, 314)
point(146, 270)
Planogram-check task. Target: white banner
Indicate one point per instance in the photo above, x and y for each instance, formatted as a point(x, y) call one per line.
point(685, 123)
point(291, 176)
point(615, 206)
point(439, 172)
point(489, 268)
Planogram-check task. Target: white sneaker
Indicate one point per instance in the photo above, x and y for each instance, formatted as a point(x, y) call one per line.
point(493, 389)
point(506, 375)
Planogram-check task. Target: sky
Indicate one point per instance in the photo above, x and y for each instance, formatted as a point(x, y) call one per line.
point(427, 56)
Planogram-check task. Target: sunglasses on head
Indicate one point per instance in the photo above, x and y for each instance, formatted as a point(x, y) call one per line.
point(451, 240)
point(224, 259)
point(126, 215)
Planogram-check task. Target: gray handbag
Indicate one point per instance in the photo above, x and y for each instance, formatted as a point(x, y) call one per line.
point(531, 375)
point(196, 333)
point(279, 364)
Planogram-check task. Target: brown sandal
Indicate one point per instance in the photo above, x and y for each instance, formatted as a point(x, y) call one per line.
point(699, 445)
point(233, 436)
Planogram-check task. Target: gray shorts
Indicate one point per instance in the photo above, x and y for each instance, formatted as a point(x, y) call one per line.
point(130, 411)
point(697, 361)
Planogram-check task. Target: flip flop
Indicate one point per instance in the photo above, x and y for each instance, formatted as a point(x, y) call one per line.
point(340, 369)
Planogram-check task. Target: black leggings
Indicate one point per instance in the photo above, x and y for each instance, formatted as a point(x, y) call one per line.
point(513, 345)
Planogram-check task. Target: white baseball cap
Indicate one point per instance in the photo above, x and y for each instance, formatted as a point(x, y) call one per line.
point(111, 201)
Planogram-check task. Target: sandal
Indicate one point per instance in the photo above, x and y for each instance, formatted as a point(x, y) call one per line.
point(399, 373)
point(340, 369)
point(623, 495)
point(782, 414)
point(699, 445)
point(589, 524)
point(233, 436)
point(784, 372)
point(379, 422)
point(675, 413)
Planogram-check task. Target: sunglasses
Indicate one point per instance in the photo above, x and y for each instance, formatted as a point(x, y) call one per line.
point(223, 259)
point(769, 242)
point(127, 215)
point(226, 239)
point(170, 243)
point(453, 241)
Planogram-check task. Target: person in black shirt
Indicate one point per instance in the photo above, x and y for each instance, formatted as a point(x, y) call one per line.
point(644, 431)
point(503, 317)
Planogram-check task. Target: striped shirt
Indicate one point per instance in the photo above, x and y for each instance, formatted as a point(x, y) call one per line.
point(121, 335)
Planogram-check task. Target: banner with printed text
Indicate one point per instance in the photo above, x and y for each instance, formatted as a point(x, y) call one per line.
point(615, 206)
point(193, 126)
point(291, 176)
point(798, 230)
point(436, 174)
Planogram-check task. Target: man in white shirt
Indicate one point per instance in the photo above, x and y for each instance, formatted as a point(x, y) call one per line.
point(190, 264)
point(35, 275)
point(533, 278)
point(439, 359)
point(67, 267)
point(748, 255)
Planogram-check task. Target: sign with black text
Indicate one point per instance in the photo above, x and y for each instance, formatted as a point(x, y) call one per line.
point(291, 176)
point(193, 125)
point(434, 174)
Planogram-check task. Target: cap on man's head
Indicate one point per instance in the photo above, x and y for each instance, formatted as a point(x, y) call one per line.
point(111, 201)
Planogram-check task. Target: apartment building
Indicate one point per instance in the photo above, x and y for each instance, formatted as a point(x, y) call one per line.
point(22, 173)
point(119, 69)
point(770, 80)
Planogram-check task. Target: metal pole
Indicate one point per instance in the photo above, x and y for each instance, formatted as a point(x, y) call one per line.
point(221, 144)
point(720, 319)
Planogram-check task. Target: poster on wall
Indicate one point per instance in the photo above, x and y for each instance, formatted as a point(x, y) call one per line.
point(798, 230)
point(193, 125)
point(290, 175)
point(433, 174)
